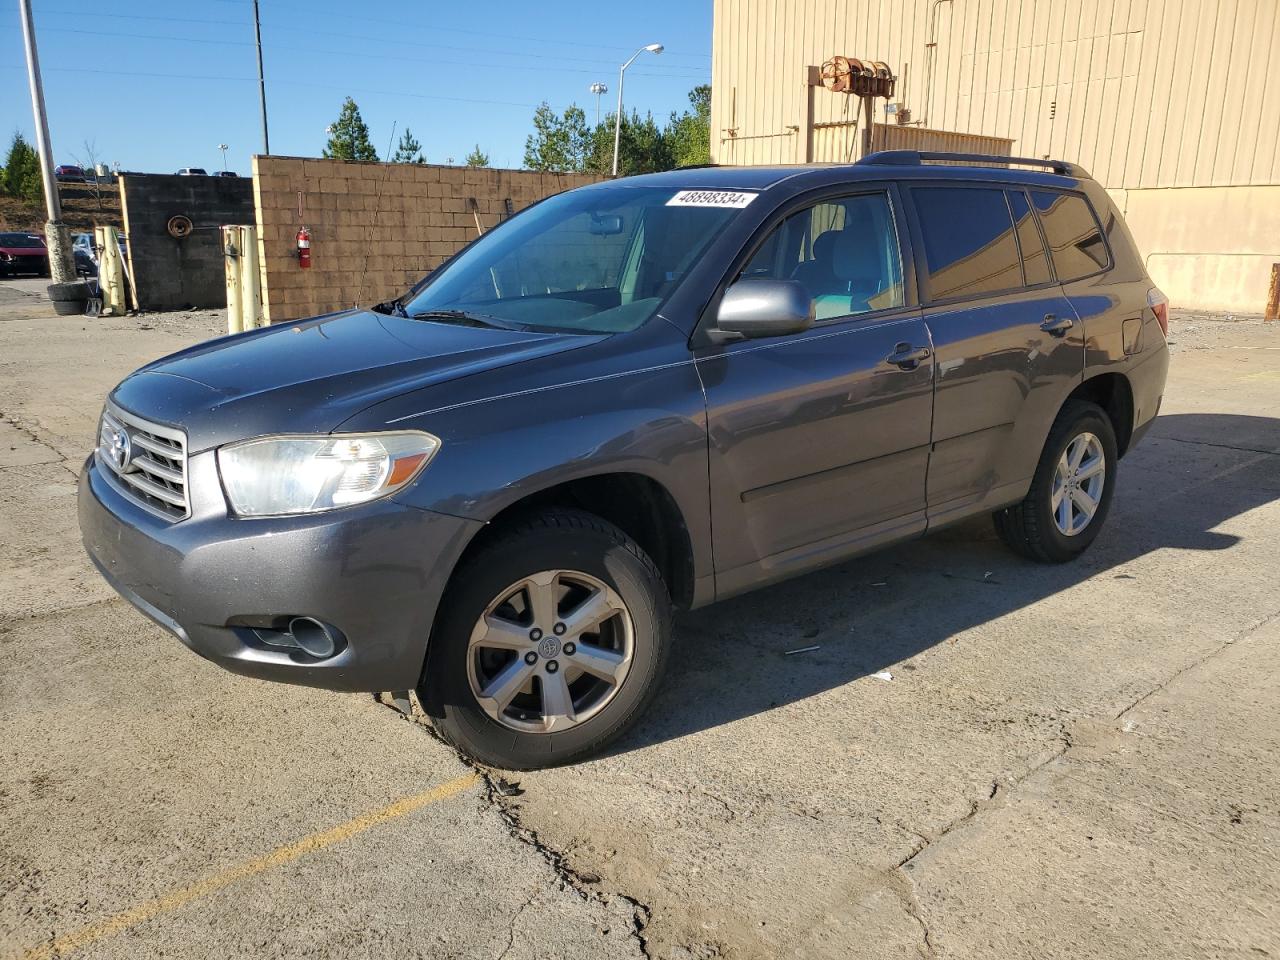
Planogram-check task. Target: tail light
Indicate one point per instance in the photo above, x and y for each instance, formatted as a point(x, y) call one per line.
point(1159, 305)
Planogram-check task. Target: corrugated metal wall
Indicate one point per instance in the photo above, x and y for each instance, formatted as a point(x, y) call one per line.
point(1143, 93)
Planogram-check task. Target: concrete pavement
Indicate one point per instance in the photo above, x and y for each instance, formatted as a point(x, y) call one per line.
point(983, 758)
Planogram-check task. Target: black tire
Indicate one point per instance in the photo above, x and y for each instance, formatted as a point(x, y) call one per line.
point(69, 308)
point(1028, 528)
point(557, 539)
point(75, 290)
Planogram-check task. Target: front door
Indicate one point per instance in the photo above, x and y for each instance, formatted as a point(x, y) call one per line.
point(819, 441)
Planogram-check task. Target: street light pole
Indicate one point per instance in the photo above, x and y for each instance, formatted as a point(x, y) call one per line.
point(57, 239)
point(262, 84)
point(223, 148)
point(654, 48)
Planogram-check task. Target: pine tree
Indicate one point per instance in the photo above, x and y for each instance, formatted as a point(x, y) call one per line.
point(477, 158)
point(558, 144)
point(349, 136)
point(21, 177)
point(409, 150)
point(690, 133)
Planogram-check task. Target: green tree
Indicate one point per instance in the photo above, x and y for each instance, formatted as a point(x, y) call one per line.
point(349, 136)
point(689, 133)
point(558, 144)
point(21, 178)
point(643, 147)
point(477, 158)
point(409, 149)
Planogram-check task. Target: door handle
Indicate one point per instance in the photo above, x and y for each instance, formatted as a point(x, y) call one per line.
point(908, 357)
point(1056, 326)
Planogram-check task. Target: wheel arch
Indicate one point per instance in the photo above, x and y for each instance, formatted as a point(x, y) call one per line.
point(637, 504)
point(1114, 394)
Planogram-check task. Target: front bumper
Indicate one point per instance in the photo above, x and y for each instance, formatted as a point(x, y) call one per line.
point(376, 572)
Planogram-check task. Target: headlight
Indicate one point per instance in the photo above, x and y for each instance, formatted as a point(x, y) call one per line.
point(282, 475)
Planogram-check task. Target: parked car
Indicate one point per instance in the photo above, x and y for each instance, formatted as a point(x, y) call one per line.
point(86, 254)
point(192, 172)
point(23, 253)
point(227, 173)
point(640, 395)
point(69, 173)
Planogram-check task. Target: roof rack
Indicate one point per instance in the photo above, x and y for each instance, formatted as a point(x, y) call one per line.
point(914, 158)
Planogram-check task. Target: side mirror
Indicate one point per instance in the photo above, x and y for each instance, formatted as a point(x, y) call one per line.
point(756, 307)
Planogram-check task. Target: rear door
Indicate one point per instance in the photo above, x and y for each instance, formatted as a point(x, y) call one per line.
point(1008, 345)
point(820, 440)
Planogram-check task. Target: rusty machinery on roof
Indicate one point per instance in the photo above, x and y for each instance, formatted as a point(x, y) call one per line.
point(866, 79)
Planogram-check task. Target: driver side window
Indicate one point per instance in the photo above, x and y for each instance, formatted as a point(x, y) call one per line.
point(844, 251)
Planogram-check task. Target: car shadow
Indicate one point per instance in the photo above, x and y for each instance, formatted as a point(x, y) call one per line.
point(739, 658)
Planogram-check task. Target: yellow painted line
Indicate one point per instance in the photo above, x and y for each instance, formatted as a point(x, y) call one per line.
point(281, 855)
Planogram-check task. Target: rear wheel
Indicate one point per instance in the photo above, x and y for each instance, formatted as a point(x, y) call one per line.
point(551, 643)
point(1070, 494)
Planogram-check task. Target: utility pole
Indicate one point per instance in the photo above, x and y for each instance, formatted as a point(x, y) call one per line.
point(262, 84)
point(57, 239)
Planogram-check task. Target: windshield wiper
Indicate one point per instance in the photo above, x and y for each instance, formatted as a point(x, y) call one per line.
point(468, 319)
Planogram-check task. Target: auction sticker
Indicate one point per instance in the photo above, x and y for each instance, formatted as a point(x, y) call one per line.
point(711, 198)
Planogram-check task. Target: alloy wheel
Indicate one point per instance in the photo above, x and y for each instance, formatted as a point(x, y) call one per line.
point(550, 651)
point(1078, 482)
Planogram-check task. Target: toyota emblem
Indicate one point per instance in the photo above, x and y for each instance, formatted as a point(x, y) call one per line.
point(121, 450)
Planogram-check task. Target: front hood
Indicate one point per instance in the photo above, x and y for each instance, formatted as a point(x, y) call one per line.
point(308, 377)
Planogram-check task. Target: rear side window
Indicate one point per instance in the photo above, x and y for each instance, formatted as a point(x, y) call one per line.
point(1035, 265)
point(969, 244)
point(1075, 239)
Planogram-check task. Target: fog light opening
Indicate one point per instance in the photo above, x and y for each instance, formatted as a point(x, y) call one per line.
point(314, 637)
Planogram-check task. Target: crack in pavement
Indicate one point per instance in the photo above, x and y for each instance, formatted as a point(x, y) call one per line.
point(1223, 446)
point(511, 932)
point(30, 433)
point(899, 878)
point(557, 860)
point(1160, 687)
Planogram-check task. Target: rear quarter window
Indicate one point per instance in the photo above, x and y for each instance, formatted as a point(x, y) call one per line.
point(1075, 240)
point(969, 244)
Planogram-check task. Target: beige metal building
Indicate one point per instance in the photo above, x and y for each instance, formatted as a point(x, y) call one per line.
point(1174, 105)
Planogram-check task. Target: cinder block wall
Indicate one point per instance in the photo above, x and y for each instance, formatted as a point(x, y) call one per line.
point(171, 273)
point(376, 228)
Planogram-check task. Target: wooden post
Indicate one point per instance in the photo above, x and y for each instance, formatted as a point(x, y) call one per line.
point(812, 80)
point(1273, 298)
point(869, 111)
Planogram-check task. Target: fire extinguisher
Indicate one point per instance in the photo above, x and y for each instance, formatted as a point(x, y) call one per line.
point(304, 248)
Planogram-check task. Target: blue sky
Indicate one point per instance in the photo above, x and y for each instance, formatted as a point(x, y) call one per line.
point(157, 84)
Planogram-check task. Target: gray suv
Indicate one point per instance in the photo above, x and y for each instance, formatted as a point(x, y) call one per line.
point(638, 396)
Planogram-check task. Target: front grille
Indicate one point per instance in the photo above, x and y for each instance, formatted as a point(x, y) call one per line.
point(146, 462)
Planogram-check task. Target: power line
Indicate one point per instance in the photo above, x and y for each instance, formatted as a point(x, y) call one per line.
point(400, 25)
point(223, 78)
point(684, 72)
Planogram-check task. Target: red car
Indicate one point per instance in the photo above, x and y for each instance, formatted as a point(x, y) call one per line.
point(23, 253)
point(70, 173)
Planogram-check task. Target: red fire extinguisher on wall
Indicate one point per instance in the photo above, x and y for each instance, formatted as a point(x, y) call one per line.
point(304, 248)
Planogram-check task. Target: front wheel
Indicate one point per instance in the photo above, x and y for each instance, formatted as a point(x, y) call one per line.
point(1070, 494)
point(551, 643)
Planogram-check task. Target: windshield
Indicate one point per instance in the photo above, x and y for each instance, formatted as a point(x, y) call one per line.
point(19, 240)
point(598, 260)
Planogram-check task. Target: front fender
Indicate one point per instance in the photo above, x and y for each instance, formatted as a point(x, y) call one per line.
point(648, 420)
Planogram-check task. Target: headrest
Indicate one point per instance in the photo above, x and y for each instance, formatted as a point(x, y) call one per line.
point(855, 256)
point(824, 247)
